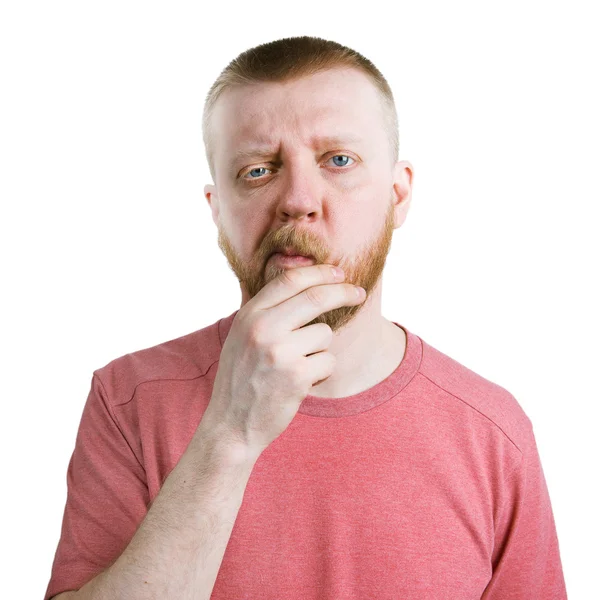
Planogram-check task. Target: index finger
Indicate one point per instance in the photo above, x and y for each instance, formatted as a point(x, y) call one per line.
point(294, 281)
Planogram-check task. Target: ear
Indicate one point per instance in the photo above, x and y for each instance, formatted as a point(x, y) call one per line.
point(403, 177)
point(210, 193)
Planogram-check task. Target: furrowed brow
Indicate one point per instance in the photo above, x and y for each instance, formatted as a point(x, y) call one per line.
point(256, 151)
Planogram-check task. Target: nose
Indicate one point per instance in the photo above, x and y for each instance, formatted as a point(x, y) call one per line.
point(297, 209)
point(300, 196)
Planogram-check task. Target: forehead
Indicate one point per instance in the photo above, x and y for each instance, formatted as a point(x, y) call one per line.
point(340, 104)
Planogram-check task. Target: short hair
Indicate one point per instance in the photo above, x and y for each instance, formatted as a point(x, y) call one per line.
point(288, 59)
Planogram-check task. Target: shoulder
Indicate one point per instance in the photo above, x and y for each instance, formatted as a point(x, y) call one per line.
point(458, 383)
point(183, 358)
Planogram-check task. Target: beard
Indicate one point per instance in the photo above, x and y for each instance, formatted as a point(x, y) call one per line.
point(364, 268)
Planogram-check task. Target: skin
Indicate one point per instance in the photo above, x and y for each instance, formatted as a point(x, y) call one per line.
point(339, 202)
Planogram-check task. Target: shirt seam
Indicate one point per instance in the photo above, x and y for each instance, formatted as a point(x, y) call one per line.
point(156, 379)
point(475, 409)
point(113, 416)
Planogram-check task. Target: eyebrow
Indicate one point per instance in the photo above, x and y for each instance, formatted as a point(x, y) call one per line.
point(262, 150)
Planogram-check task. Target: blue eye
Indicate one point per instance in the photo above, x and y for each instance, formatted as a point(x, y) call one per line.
point(344, 155)
point(256, 169)
point(266, 169)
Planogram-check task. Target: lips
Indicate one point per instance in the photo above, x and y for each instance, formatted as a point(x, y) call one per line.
point(292, 252)
point(292, 260)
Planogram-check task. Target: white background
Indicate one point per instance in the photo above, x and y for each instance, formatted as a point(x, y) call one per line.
point(108, 245)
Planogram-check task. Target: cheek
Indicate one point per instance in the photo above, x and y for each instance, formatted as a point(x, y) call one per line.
point(352, 227)
point(349, 187)
point(356, 183)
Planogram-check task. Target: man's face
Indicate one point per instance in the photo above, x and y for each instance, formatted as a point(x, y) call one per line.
point(281, 184)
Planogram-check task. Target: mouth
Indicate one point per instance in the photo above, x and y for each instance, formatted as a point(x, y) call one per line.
point(293, 253)
point(291, 260)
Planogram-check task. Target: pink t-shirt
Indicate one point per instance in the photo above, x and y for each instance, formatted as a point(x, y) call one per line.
point(428, 485)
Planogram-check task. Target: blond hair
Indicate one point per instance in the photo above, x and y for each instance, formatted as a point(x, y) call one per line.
point(292, 58)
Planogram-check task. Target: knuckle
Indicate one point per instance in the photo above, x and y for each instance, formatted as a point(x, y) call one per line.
point(257, 334)
point(314, 295)
point(273, 354)
point(327, 331)
point(290, 277)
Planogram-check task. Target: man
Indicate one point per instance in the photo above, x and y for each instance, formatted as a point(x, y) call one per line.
point(304, 446)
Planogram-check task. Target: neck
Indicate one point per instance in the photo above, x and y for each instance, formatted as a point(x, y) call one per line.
point(367, 350)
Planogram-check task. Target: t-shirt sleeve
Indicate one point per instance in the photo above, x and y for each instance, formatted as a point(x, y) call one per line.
point(526, 560)
point(107, 497)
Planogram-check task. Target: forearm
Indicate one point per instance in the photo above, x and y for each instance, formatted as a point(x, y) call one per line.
point(178, 548)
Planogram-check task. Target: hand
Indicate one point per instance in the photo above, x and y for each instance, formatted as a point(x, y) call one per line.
point(264, 370)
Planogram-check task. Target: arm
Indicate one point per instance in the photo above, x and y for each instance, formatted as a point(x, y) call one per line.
point(177, 551)
point(526, 559)
point(114, 537)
